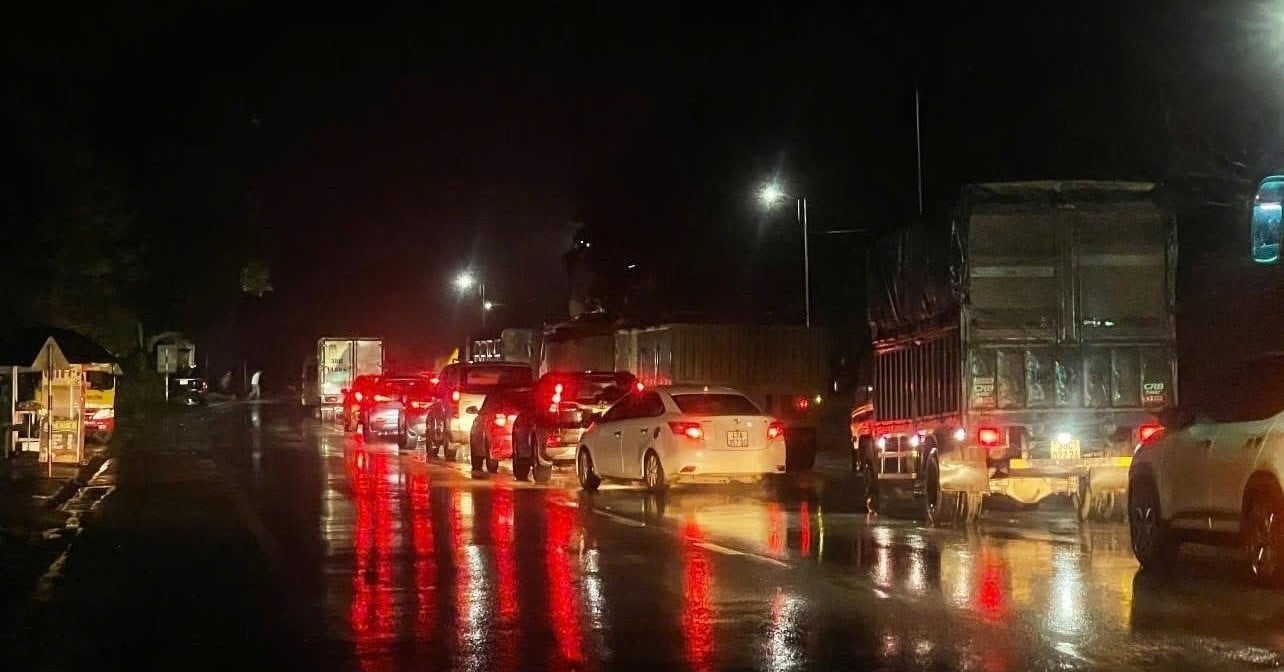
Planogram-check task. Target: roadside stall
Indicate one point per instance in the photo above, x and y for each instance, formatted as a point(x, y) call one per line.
point(48, 375)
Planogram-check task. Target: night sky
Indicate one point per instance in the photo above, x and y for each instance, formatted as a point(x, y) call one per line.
point(370, 156)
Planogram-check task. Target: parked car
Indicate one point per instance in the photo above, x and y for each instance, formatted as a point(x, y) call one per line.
point(380, 410)
point(491, 436)
point(416, 417)
point(188, 389)
point(1213, 475)
point(464, 385)
point(362, 387)
point(562, 408)
point(669, 433)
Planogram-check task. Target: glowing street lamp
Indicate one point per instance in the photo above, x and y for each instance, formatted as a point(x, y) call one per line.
point(771, 194)
point(466, 281)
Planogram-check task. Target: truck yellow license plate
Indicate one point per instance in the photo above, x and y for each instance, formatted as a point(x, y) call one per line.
point(738, 439)
point(1065, 451)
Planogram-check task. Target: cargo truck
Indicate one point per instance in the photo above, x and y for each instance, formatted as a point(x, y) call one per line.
point(1024, 349)
point(782, 368)
point(339, 360)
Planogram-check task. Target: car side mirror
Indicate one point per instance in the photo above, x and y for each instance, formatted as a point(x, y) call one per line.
point(471, 410)
point(344, 391)
point(595, 417)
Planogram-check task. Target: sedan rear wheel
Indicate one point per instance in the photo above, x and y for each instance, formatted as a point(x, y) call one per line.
point(589, 480)
point(1152, 542)
point(1264, 532)
point(653, 472)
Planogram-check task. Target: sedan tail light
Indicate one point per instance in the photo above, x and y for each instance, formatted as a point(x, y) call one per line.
point(381, 398)
point(775, 430)
point(1149, 431)
point(691, 430)
point(501, 420)
point(988, 436)
point(358, 396)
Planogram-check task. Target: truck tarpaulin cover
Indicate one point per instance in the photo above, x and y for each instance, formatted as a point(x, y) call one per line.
point(914, 279)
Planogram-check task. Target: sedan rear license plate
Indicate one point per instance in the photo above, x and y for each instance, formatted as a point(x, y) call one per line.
point(738, 439)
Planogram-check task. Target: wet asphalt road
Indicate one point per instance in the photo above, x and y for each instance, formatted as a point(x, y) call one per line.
point(291, 544)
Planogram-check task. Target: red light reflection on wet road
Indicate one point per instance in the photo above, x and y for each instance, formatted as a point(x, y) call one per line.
point(371, 613)
point(563, 598)
point(501, 538)
point(425, 563)
point(698, 614)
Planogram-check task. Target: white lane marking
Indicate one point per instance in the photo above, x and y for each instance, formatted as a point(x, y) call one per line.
point(770, 561)
point(882, 594)
point(620, 519)
point(717, 549)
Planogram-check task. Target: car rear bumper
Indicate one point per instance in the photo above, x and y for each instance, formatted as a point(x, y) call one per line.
point(384, 420)
point(726, 464)
point(558, 445)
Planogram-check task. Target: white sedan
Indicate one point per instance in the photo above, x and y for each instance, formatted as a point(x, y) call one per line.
point(1215, 476)
point(669, 433)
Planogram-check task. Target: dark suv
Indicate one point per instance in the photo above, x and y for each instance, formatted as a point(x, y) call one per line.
point(562, 408)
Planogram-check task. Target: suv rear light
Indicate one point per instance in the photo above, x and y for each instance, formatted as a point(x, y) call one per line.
point(420, 404)
point(691, 430)
point(358, 396)
point(989, 436)
point(1149, 431)
point(775, 430)
point(454, 395)
point(382, 398)
point(639, 386)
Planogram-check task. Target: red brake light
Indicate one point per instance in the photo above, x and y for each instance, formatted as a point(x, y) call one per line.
point(501, 420)
point(419, 404)
point(434, 380)
point(775, 430)
point(639, 386)
point(1149, 431)
point(382, 397)
point(454, 396)
point(802, 403)
point(988, 436)
point(358, 396)
point(691, 430)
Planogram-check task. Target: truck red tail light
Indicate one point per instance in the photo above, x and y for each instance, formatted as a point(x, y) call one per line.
point(989, 436)
point(802, 404)
point(1149, 431)
point(775, 430)
point(691, 430)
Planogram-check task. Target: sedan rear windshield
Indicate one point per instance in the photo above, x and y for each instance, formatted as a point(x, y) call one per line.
point(483, 379)
point(715, 404)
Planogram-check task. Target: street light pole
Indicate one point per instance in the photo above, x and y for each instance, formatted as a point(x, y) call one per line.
point(802, 219)
point(482, 289)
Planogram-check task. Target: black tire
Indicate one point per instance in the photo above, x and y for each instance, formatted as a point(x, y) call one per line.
point(653, 472)
point(403, 439)
point(478, 462)
point(521, 469)
point(589, 480)
point(1264, 535)
point(542, 473)
point(1153, 544)
point(869, 482)
point(1083, 501)
point(348, 425)
point(365, 432)
point(492, 466)
point(450, 453)
point(933, 501)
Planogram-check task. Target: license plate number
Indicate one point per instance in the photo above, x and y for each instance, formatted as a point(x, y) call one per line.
point(738, 439)
point(1065, 451)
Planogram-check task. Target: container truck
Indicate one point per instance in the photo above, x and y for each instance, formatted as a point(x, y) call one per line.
point(339, 360)
point(1023, 349)
point(783, 368)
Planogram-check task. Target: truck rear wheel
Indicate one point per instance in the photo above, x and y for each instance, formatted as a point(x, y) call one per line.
point(869, 482)
point(932, 491)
